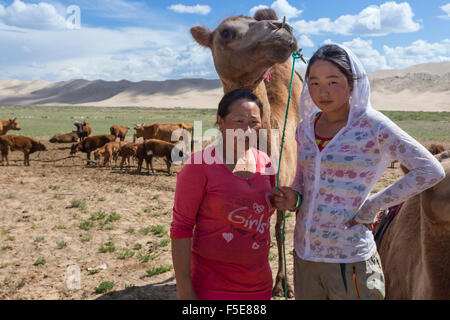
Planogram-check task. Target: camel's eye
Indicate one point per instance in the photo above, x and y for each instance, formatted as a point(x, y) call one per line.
point(226, 35)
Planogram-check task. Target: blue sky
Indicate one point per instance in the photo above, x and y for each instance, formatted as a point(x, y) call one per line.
point(150, 40)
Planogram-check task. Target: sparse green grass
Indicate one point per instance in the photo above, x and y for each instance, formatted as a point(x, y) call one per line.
point(164, 243)
point(107, 247)
point(49, 207)
point(94, 271)
point(86, 238)
point(40, 261)
point(98, 215)
point(112, 217)
point(137, 246)
point(3, 265)
point(272, 256)
point(58, 196)
point(39, 239)
point(21, 284)
point(153, 271)
point(4, 232)
point(10, 238)
point(9, 196)
point(125, 254)
point(144, 231)
point(62, 245)
point(52, 187)
point(155, 197)
point(61, 227)
point(86, 225)
point(130, 230)
point(101, 199)
point(119, 190)
point(78, 204)
point(158, 230)
point(104, 287)
point(144, 258)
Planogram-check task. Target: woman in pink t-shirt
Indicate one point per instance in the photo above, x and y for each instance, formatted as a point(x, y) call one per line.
point(221, 215)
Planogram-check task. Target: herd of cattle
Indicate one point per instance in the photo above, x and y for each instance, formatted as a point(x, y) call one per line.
point(157, 143)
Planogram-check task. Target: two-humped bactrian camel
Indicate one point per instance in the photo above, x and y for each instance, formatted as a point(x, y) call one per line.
point(415, 250)
point(245, 50)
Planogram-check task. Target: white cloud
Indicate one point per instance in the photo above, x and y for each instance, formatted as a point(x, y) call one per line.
point(33, 16)
point(134, 54)
point(281, 7)
point(197, 9)
point(370, 58)
point(446, 9)
point(305, 41)
point(390, 17)
point(420, 51)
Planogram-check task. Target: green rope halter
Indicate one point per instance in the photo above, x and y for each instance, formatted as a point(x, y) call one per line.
point(296, 55)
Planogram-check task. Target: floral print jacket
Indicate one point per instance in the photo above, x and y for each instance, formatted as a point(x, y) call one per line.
point(337, 181)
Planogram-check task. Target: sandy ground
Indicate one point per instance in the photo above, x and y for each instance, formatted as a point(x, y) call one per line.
point(36, 216)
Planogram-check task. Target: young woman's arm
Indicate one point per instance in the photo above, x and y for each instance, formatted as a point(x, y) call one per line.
point(425, 171)
point(189, 192)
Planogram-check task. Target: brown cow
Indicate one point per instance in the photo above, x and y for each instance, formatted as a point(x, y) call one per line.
point(155, 148)
point(127, 152)
point(109, 152)
point(64, 137)
point(90, 144)
point(10, 124)
point(119, 131)
point(162, 131)
point(11, 142)
point(84, 129)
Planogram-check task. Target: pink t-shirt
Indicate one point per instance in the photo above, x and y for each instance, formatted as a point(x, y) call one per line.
point(228, 218)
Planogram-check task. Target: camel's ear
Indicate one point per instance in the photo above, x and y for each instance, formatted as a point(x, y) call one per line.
point(202, 35)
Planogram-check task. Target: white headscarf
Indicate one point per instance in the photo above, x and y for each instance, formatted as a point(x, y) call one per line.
point(359, 100)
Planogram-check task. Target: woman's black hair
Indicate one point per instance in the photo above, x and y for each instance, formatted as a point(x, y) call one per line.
point(232, 96)
point(335, 55)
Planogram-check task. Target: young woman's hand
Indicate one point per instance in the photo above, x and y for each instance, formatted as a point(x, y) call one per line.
point(284, 198)
point(353, 222)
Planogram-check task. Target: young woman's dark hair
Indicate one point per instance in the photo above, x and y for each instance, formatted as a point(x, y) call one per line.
point(232, 96)
point(335, 55)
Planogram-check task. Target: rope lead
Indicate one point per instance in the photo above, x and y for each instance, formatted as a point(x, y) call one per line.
point(296, 55)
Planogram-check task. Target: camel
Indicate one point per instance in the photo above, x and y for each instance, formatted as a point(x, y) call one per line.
point(247, 52)
point(415, 250)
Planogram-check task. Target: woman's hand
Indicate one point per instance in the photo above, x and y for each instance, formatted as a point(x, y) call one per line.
point(284, 198)
point(353, 222)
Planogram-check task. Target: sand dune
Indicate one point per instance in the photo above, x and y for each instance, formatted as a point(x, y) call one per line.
point(424, 87)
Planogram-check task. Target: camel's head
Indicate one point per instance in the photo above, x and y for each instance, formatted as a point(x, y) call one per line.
point(242, 46)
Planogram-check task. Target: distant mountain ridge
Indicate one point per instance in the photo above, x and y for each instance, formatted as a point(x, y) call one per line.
point(419, 87)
